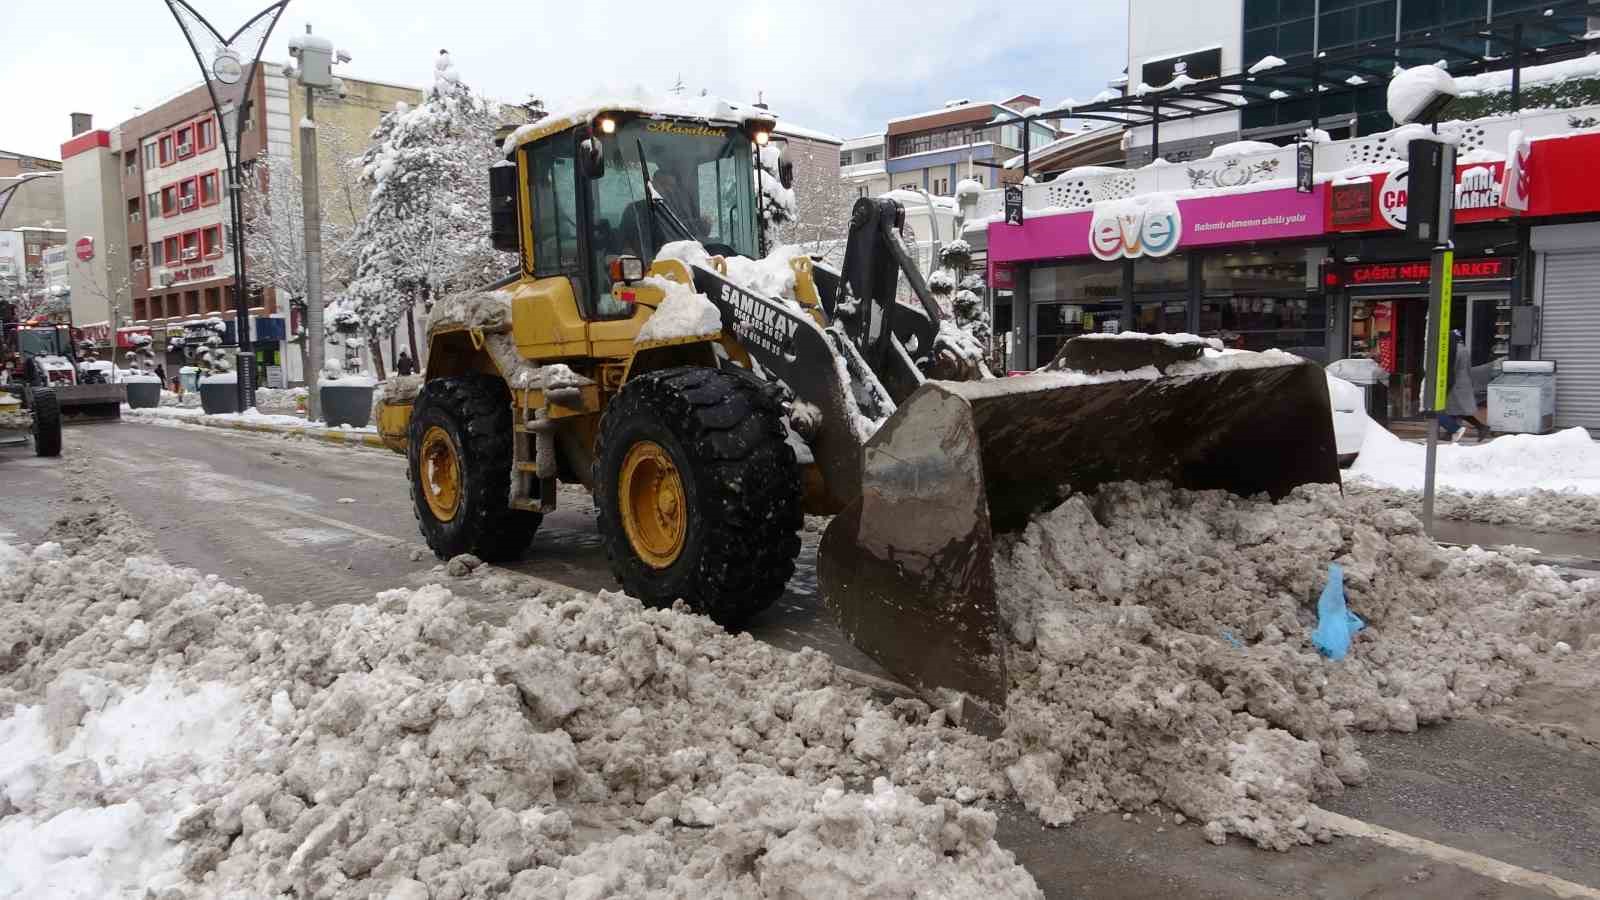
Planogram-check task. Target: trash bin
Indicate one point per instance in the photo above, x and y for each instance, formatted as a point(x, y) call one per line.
point(1373, 381)
point(1522, 400)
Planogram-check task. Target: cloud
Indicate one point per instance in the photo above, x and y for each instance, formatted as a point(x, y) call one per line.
point(838, 65)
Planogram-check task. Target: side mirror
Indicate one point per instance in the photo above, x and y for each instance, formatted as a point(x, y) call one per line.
point(591, 158)
point(785, 173)
point(503, 226)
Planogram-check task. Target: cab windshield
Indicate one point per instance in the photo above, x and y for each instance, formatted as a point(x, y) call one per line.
point(701, 180)
point(41, 342)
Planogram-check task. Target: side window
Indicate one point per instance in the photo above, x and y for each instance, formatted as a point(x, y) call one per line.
point(621, 223)
point(555, 208)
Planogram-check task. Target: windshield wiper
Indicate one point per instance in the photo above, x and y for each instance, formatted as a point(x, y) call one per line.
point(652, 197)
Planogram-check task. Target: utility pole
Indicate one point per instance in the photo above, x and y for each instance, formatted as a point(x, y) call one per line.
point(315, 56)
point(1430, 214)
point(311, 204)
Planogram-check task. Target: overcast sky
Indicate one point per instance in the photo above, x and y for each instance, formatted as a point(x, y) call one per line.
point(842, 66)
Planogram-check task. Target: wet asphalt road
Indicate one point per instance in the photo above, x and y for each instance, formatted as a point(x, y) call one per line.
point(266, 513)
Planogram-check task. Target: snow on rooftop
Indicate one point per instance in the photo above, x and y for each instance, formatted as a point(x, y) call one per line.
point(1549, 73)
point(1075, 137)
point(863, 142)
point(1265, 63)
point(934, 112)
point(641, 99)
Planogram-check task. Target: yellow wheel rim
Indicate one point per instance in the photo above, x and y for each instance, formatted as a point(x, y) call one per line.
point(441, 473)
point(655, 510)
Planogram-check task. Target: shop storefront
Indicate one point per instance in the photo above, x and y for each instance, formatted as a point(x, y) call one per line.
point(1235, 266)
point(1378, 288)
point(1385, 306)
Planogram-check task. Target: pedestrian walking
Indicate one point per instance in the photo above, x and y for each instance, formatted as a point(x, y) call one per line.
point(1461, 404)
point(404, 365)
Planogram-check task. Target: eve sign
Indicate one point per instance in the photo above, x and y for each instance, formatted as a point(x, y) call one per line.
point(1131, 229)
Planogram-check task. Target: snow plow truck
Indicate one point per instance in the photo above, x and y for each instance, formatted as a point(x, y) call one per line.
point(707, 399)
point(40, 356)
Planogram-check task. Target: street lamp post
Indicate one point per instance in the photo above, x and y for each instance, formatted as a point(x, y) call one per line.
point(228, 66)
point(315, 57)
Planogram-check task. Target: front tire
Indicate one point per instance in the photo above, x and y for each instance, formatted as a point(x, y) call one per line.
point(459, 457)
point(46, 423)
point(698, 492)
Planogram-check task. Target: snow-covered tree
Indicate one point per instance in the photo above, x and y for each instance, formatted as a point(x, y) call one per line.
point(274, 215)
point(820, 214)
point(425, 233)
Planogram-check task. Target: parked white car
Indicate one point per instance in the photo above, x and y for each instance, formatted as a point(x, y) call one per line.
point(1349, 418)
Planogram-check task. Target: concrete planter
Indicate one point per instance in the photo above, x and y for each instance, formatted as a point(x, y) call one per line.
point(219, 396)
point(347, 404)
point(143, 394)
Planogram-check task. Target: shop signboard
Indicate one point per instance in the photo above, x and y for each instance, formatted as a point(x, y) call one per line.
point(1562, 179)
point(1483, 268)
point(1380, 203)
point(1137, 226)
point(1013, 204)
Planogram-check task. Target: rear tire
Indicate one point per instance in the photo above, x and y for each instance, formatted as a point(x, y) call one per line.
point(46, 423)
point(466, 424)
point(719, 437)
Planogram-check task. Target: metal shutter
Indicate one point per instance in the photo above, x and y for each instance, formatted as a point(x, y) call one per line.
point(1570, 335)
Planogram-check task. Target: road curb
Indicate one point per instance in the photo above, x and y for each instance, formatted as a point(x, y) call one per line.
point(325, 435)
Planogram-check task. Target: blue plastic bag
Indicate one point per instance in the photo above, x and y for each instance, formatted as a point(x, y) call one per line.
point(1336, 624)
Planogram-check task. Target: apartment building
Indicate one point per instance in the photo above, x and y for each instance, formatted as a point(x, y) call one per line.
point(36, 204)
point(861, 165)
point(935, 150)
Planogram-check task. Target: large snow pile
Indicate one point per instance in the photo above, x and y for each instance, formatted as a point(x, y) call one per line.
point(162, 729)
point(1162, 649)
point(1564, 461)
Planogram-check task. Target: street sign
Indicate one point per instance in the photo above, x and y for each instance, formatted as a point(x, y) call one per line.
point(1305, 160)
point(85, 248)
point(1013, 204)
point(1441, 352)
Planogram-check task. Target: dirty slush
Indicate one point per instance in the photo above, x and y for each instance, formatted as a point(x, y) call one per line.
point(1160, 654)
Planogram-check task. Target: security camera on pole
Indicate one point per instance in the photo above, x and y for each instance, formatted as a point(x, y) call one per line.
point(1420, 95)
point(315, 57)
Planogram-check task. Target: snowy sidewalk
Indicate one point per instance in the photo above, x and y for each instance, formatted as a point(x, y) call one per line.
point(265, 423)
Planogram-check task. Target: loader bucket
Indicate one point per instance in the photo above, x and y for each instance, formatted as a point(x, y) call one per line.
point(908, 568)
point(91, 402)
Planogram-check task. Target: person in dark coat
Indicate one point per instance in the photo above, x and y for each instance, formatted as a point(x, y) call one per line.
point(1461, 403)
point(404, 365)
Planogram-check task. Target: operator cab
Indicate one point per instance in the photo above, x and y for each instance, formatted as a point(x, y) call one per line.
point(605, 195)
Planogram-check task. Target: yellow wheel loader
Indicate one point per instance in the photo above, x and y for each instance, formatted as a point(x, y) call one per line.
point(703, 437)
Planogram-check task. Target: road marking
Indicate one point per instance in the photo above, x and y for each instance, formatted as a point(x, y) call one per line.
point(337, 523)
point(1503, 872)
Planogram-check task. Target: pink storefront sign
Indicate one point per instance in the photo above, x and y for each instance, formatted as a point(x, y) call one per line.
point(1206, 221)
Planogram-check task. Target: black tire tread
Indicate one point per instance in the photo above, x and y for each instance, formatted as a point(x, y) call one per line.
point(46, 423)
point(480, 406)
point(731, 426)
